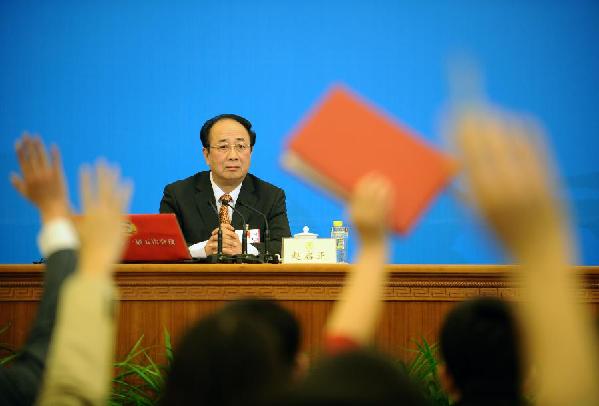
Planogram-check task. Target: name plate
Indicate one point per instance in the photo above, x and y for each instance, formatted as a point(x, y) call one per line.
point(309, 251)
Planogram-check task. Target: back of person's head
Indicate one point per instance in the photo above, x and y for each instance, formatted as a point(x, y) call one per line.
point(480, 344)
point(225, 360)
point(359, 377)
point(281, 320)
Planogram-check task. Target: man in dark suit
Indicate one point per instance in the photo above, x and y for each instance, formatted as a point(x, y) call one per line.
point(42, 183)
point(227, 141)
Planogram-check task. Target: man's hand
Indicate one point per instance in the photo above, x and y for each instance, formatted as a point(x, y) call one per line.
point(231, 242)
point(42, 180)
point(104, 199)
point(509, 181)
point(369, 207)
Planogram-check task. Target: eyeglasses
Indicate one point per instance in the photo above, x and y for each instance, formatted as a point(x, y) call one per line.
point(224, 148)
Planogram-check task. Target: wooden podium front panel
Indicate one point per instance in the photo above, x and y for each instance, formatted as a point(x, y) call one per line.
point(174, 296)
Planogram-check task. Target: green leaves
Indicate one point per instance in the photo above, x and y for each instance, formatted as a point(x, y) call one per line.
point(7, 353)
point(423, 370)
point(139, 379)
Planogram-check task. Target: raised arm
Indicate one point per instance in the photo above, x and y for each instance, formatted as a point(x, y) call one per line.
point(41, 181)
point(80, 359)
point(510, 182)
point(356, 313)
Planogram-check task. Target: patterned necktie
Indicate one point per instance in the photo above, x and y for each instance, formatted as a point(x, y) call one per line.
point(223, 214)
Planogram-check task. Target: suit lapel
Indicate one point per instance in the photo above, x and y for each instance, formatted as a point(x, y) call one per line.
point(204, 195)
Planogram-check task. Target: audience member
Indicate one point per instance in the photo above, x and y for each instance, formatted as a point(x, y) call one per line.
point(510, 183)
point(228, 358)
point(42, 183)
point(356, 377)
point(79, 367)
point(283, 323)
point(349, 374)
point(355, 315)
point(480, 344)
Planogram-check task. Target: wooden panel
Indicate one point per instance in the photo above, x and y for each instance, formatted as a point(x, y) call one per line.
point(173, 296)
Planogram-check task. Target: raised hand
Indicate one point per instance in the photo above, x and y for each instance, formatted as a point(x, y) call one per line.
point(42, 180)
point(355, 314)
point(369, 207)
point(104, 199)
point(510, 182)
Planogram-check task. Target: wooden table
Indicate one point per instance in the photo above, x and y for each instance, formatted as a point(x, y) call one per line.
point(172, 296)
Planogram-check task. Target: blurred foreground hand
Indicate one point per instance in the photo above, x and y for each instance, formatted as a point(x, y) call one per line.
point(42, 179)
point(369, 207)
point(510, 182)
point(104, 200)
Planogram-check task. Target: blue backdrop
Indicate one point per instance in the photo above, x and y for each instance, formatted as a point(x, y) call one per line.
point(134, 81)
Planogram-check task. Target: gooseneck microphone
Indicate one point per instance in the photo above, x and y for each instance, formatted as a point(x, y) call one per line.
point(219, 252)
point(267, 256)
point(244, 234)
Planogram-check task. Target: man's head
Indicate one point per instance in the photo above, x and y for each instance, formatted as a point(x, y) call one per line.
point(281, 320)
point(480, 344)
point(226, 359)
point(359, 377)
point(228, 140)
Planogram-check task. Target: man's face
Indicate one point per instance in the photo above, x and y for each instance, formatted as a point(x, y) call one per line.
point(228, 165)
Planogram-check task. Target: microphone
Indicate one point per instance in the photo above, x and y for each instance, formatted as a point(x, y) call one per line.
point(244, 234)
point(267, 256)
point(219, 252)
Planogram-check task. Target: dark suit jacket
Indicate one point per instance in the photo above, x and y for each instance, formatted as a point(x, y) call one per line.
point(21, 382)
point(190, 200)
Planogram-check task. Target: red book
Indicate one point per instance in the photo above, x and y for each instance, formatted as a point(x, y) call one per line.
point(345, 137)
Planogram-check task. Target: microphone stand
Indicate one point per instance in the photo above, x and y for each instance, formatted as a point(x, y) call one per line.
point(219, 257)
point(244, 257)
point(268, 258)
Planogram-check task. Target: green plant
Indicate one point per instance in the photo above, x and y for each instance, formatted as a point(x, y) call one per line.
point(7, 353)
point(423, 370)
point(139, 379)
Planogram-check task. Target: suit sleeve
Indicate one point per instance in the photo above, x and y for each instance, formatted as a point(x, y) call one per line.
point(80, 357)
point(168, 204)
point(19, 384)
point(278, 224)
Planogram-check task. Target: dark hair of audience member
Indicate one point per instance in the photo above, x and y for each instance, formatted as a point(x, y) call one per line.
point(225, 360)
point(360, 377)
point(282, 321)
point(480, 344)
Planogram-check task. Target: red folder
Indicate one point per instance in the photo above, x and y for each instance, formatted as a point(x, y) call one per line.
point(345, 137)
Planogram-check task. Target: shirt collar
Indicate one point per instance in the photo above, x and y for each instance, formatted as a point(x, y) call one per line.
point(218, 192)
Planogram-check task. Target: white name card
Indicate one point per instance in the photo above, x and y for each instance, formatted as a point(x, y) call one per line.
point(309, 251)
point(253, 235)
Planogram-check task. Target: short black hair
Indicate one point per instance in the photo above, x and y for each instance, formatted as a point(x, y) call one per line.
point(480, 343)
point(205, 131)
point(281, 320)
point(358, 377)
point(225, 359)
